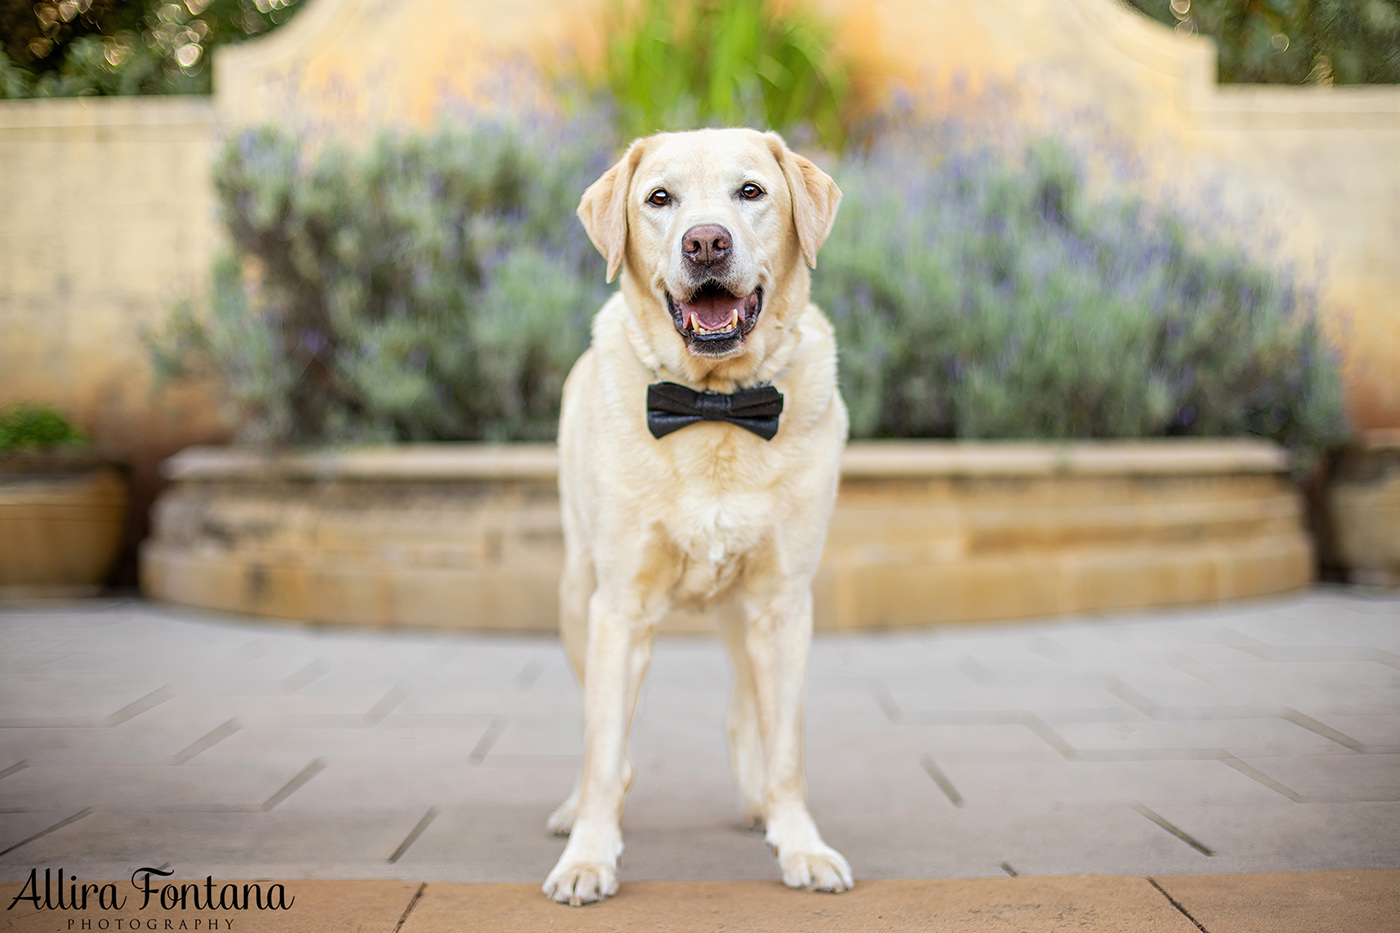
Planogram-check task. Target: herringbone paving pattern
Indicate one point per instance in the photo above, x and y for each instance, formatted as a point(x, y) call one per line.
point(1260, 736)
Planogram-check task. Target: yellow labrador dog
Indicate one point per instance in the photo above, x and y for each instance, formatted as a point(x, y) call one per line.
point(699, 446)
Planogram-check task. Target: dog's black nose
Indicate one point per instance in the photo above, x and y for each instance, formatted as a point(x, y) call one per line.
point(706, 244)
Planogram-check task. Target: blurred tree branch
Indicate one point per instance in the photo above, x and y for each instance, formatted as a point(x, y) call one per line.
point(68, 48)
point(1293, 41)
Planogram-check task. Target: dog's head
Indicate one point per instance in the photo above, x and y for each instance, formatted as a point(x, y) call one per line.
point(710, 230)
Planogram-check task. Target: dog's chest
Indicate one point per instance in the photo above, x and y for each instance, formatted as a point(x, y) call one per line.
point(716, 540)
point(718, 532)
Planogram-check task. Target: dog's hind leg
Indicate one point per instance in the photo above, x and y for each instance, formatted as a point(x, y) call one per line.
point(576, 587)
point(745, 740)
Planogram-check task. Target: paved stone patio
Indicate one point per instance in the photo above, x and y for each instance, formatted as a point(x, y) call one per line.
point(1261, 736)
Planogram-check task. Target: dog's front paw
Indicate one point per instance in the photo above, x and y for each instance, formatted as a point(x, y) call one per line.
point(587, 871)
point(820, 869)
point(577, 884)
point(806, 861)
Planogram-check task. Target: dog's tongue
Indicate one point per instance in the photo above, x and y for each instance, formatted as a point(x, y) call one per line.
point(712, 312)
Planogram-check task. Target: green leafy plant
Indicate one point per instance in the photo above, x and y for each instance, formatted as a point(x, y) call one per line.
point(36, 427)
point(725, 62)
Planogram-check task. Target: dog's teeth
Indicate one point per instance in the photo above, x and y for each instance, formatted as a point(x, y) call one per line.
point(696, 325)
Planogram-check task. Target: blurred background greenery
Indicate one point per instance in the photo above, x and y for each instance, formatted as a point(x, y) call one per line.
point(1293, 41)
point(710, 59)
point(434, 285)
point(69, 48)
point(725, 63)
point(36, 427)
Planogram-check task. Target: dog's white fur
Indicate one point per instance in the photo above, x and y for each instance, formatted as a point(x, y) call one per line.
point(710, 512)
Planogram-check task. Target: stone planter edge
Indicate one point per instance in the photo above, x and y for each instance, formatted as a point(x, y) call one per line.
point(926, 532)
point(62, 513)
point(539, 461)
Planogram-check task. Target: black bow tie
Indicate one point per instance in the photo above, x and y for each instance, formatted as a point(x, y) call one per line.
point(671, 407)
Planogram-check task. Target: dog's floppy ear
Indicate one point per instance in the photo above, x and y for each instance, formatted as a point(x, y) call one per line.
point(603, 208)
point(814, 198)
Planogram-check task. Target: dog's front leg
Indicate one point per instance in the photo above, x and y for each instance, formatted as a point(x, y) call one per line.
point(619, 650)
point(778, 639)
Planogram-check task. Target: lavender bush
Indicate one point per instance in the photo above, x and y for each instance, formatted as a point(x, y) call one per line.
point(439, 287)
point(981, 293)
point(435, 287)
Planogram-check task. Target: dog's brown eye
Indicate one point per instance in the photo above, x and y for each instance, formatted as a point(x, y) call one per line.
point(751, 192)
point(660, 197)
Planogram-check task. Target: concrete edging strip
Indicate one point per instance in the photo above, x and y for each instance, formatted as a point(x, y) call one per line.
point(1308, 902)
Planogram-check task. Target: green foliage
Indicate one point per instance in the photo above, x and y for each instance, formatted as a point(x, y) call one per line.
point(68, 48)
point(439, 287)
point(35, 427)
point(14, 81)
point(436, 286)
point(981, 296)
point(728, 63)
point(1293, 41)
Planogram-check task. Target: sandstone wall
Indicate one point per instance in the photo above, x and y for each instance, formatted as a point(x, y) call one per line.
point(109, 216)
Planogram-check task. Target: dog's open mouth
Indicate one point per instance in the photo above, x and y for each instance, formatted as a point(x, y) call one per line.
point(714, 320)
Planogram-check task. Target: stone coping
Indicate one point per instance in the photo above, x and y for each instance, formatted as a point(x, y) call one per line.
point(52, 461)
point(1313, 902)
point(153, 111)
point(914, 459)
point(1379, 439)
point(924, 532)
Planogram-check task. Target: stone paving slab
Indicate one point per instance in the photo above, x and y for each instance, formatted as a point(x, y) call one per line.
point(1250, 737)
point(112, 843)
point(153, 788)
point(1193, 738)
point(1321, 902)
point(1284, 836)
point(1379, 734)
point(1373, 778)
